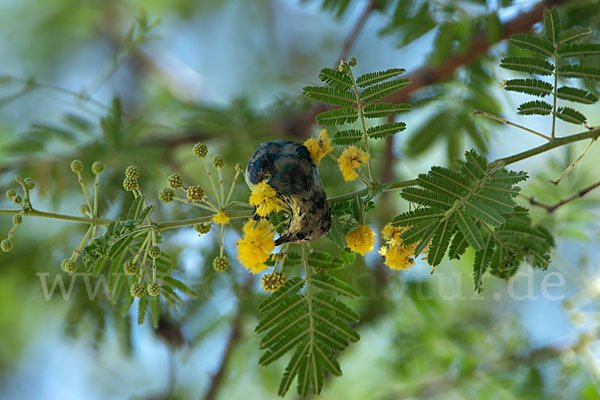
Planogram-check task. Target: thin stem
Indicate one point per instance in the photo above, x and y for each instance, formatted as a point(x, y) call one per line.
point(72, 218)
point(200, 205)
point(233, 183)
point(551, 208)
point(555, 94)
point(141, 249)
point(95, 210)
point(221, 188)
point(212, 182)
point(221, 243)
point(85, 194)
point(146, 251)
point(500, 119)
point(362, 121)
point(308, 297)
point(572, 165)
point(77, 251)
point(557, 142)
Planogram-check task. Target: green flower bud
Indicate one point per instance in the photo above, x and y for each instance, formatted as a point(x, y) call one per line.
point(200, 150)
point(11, 194)
point(29, 183)
point(319, 270)
point(17, 219)
point(129, 267)
point(17, 199)
point(68, 266)
point(130, 184)
point(175, 181)
point(137, 290)
point(272, 282)
point(153, 289)
point(6, 245)
point(218, 162)
point(352, 61)
point(220, 264)
point(196, 193)
point(202, 228)
point(166, 195)
point(238, 167)
point(154, 252)
point(98, 167)
point(132, 172)
point(76, 166)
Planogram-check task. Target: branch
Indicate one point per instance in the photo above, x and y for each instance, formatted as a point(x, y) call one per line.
point(426, 75)
point(551, 208)
point(234, 337)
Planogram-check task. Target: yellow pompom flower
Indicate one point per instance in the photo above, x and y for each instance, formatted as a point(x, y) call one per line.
point(397, 256)
point(265, 198)
point(351, 159)
point(319, 148)
point(361, 240)
point(220, 218)
point(256, 245)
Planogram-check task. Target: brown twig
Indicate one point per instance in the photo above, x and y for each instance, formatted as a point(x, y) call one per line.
point(551, 208)
point(234, 338)
point(353, 35)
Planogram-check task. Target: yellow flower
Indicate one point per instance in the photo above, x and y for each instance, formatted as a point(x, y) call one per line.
point(350, 160)
point(220, 218)
point(256, 245)
point(265, 198)
point(361, 240)
point(397, 256)
point(319, 148)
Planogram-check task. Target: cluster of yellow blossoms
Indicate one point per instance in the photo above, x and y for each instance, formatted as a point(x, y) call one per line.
point(397, 256)
point(265, 198)
point(256, 246)
point(319, 148)
point(361, 240)
point(349, 162)
point(352, 159)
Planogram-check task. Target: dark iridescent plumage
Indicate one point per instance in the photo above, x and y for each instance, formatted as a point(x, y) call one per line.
point(288, 168)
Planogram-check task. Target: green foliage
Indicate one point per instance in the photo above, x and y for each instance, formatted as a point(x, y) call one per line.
point(305, 318)
point(560, 47)
point(474, 207)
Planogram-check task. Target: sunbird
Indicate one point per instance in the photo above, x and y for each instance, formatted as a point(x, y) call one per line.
point(287, 167)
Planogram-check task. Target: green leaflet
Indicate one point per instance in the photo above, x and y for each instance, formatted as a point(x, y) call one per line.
point(473, 206)
point(561, 47)
point(305, 318)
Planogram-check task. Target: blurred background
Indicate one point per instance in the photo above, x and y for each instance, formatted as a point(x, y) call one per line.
point(230, 73)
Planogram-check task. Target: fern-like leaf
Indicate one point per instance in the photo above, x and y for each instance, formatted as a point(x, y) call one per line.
point(534, 44)
point(347, 137)
point(529, 65)
point(329, 95)
point(378, 77)
point(576, 94)
point(579, 50)
point(579, 71)
point(573, 34)
point(552, 26)
point(303, 317)
point(536, 107)
point(337, 116)
point(382, 110)
point(378, 92)
point(570, 115)
point(534, 87)
point(389, 129)
point(457, 207)
point(336, 79)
